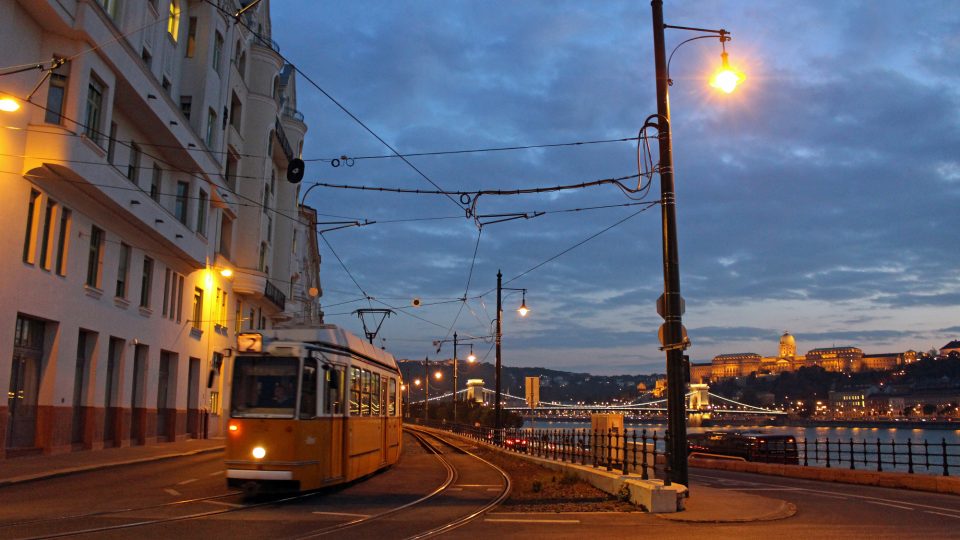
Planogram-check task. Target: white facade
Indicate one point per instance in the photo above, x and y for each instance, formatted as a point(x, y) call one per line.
point(132, 180)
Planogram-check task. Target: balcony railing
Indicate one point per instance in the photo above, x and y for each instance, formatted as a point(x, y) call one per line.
point(275, 295)
point(266, 42)
point(293, 113)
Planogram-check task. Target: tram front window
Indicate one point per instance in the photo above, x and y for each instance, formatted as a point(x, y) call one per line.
point(264, 387)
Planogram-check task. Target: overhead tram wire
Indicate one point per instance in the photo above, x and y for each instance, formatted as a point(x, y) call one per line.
point(479, 150)
point(466, 291)
point(578, 244)
point(340, 105)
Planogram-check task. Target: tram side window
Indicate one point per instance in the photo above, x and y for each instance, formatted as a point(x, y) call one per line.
point(375, 394)
point(355, 391)
point(334, 391)
point(392, 398)
point(365, 398)
point(308, 389)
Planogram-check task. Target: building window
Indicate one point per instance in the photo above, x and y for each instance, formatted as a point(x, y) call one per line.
point(266, 197)
point(273, 180)
point(263, 256)
point(167, 85)
point(238, 317)
point(110, 6)
point(226, 235)
point(269, 229)
point(95, 92)
point(197, 308)
point(172, 295)
point(62, 242)
point(186, 103)
point(217, 51)
point(211, 125)
point(56, 94)
point(147, 57)
point(202, 212)
point(112, 143)
point(146, 282)
point(30, 240)
point(223, 310)
point(95, 257)
point(180, 206)
point(156, 181)
point(191, 37)
point(133, 169)
point(46, 238)
point(173, 21)
point(123, 271)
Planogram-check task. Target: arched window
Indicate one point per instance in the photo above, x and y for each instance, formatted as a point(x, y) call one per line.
point(173, 21)
point(276, 87)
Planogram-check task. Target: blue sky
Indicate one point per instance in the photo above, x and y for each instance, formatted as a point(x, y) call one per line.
point(820, 198)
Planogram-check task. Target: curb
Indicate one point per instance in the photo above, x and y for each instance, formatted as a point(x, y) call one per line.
point(784, 511)
point(99, 466)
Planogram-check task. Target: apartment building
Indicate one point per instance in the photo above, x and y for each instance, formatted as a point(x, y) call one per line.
point(147, 214)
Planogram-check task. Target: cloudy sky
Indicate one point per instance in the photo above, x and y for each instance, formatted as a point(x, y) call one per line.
point(822, 198)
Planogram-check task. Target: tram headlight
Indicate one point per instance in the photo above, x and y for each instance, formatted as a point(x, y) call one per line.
point(259, 452)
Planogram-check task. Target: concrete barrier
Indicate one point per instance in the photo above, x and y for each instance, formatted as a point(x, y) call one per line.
point(899, 480)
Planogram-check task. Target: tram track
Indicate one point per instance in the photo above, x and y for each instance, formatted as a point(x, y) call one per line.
point(437, 510)
point(424, 438)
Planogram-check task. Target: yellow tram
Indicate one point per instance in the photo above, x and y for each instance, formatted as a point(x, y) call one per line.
point(310, 407)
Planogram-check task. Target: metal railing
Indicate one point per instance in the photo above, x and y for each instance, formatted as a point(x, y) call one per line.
point(890, 456)
point(630, 451)
point(645, 452)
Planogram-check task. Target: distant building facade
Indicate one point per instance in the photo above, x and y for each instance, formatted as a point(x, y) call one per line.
point(837, 359)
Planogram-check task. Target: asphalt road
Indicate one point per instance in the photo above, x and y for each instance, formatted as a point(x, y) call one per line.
point(152, 490)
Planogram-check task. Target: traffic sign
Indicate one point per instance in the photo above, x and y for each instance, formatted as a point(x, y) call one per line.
point(662, 308)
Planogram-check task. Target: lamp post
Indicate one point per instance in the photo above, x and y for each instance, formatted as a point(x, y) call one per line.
point(426, 389)
point(674, 342)
point(498, 421)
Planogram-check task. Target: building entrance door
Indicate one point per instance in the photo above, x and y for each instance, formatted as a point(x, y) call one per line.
point(25, 383)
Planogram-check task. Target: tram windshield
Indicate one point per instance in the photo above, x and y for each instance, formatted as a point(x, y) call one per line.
point(264, 386)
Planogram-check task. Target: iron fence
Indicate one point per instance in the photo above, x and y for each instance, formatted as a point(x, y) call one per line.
point(645, 452)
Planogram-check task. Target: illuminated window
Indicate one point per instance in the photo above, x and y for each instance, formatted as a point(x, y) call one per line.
point(173, 21)
point(197, 318)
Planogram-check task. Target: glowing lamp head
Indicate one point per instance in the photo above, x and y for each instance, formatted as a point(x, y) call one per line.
point(472, 357)
point(259, 452)
point(416, 382)
point(233, 428)
point(9, 105)
point(523, 310)
point(226, 272)
point(726, 79)
point(438, 375)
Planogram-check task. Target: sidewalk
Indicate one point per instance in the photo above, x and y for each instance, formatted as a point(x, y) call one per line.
point(712, 505)
point(26, 469)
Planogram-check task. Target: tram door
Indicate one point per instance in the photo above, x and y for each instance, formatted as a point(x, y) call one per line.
point(384, 418)
point(334, 426)
point(24, 383)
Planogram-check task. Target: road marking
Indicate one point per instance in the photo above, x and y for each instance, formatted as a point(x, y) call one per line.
point(173, 492)
point(222, 503)
point(218, 473)
point(888, 504)
point(454, 489)
point(942, 514)
point(478, 485)
point(185, 482)
point(825, 495)
point(341, 514)
point(760, 489)
point(514, 520)
point(495, 489)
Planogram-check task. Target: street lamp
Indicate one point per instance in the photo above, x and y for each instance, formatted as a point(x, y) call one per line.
point(456, 380)
point(674, 341)
point(523, 310)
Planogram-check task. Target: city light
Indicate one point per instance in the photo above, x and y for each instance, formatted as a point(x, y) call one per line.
point(9, 105)
point(726, 78)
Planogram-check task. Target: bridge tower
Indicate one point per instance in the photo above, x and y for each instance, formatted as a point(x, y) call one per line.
point(699, 397)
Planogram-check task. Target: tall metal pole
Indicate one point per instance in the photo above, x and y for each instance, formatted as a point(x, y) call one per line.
point(496, 411)
point(672, 328)
point(455, 382)
point(426, 389)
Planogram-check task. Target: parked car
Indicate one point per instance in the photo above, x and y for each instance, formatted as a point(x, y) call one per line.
point(749, 446)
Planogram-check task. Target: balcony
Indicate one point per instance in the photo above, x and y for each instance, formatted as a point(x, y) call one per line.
point(293, 113)
point(256, 285)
